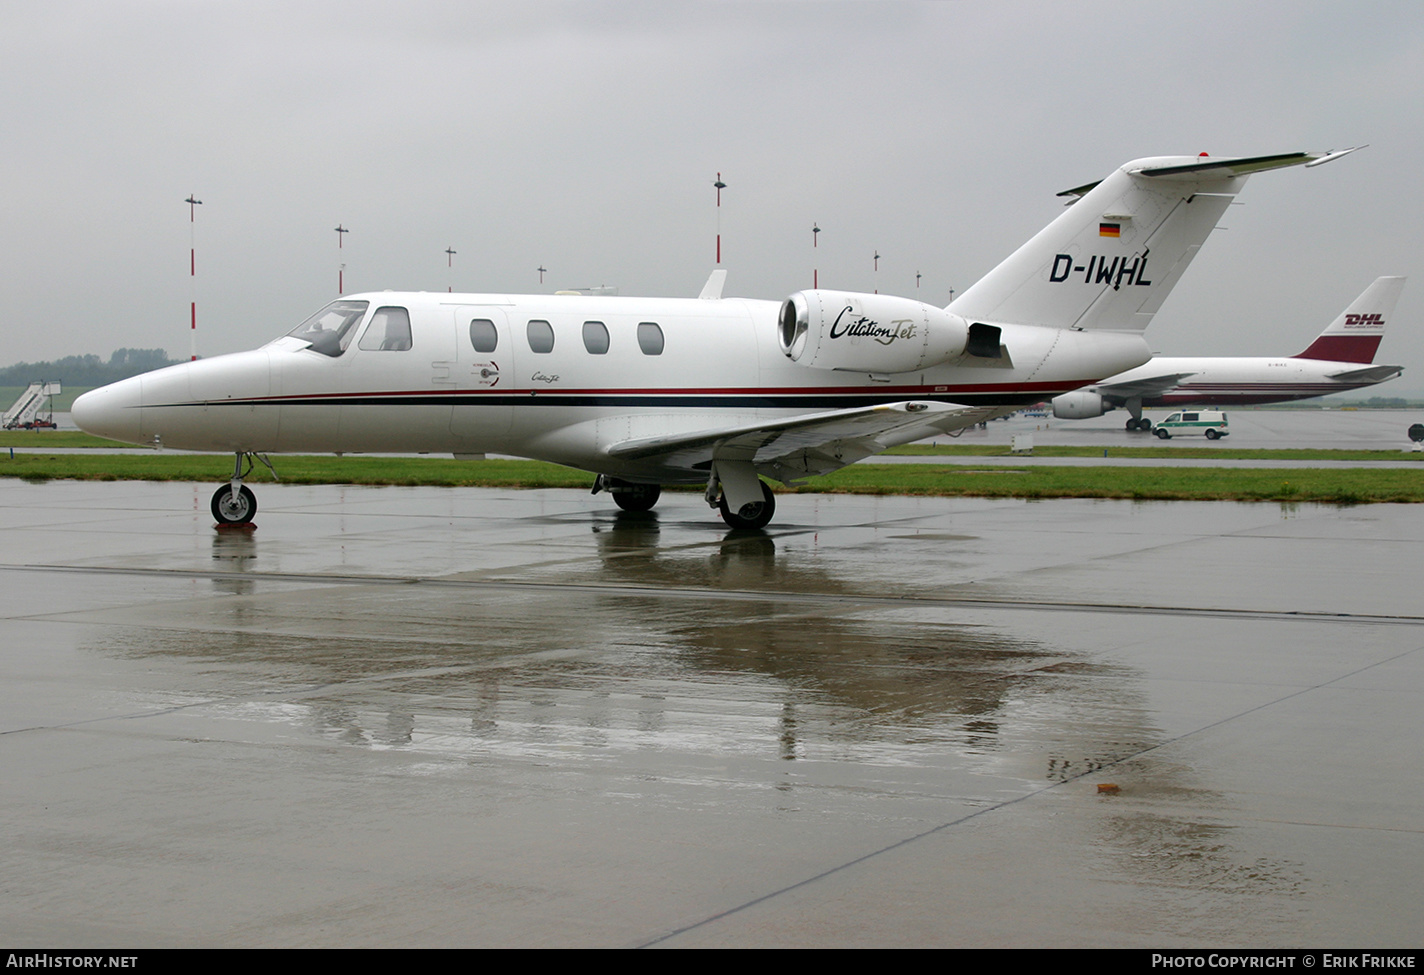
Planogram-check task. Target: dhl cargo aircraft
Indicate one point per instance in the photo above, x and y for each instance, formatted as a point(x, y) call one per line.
point(1339, 360)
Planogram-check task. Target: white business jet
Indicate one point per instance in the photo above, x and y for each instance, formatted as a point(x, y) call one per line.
point(643, 392)
point(1338, 361)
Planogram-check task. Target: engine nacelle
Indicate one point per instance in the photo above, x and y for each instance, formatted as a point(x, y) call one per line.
point(870, 333)
point(1081, 404)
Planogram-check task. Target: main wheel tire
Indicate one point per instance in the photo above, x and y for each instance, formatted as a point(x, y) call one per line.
point(1132, 425)
point(228, 511)
point(638, 497)
point(1163, 434)
point(1212, 435)
point(758, 517)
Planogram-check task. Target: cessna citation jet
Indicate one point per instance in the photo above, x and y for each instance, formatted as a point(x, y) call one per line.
point(1338, 361)
point(643, 392)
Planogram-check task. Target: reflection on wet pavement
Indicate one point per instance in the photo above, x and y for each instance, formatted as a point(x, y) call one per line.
point(884, 723)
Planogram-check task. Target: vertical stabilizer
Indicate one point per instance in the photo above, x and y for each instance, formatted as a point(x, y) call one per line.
point(1112, 258)
point(1356, 334)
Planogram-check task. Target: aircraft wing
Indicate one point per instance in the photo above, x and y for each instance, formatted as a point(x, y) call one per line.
point(1147, 386)
point(817, 443)
point(1369, 374)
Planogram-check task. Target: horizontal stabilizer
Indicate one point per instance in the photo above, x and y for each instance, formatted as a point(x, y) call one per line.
point(1110, 260)
point(1229, 168)
point(804, 445)
point(1368, 375)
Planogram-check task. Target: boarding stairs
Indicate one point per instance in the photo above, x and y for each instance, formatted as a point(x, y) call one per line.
point(27, 407)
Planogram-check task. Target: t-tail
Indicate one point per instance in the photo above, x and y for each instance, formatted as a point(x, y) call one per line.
point(1356, 334)
point(1112, 258)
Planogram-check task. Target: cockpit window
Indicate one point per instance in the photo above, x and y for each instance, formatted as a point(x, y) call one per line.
point(389, 331)
point(329, 331)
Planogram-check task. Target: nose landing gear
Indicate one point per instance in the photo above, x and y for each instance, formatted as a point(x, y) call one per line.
point(234, 503)
point(231, 508)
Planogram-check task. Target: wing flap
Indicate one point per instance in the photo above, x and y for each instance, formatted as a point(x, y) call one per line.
point(801, 446)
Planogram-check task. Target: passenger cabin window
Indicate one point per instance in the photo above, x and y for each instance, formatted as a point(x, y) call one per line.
point(541, 336)
point(389, 331)
point(1189, 417)
point(330, 330)
point(595, 338)
point(483, 335)
point(650, 338)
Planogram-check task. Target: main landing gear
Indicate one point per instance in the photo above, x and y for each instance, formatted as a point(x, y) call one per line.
point(752, 505)
point(755, 515)
point(234, 503)
point(628, 495)
point(744, 500)
point(1138, 421)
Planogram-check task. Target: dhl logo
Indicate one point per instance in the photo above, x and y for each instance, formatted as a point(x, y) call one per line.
point(1364, 321)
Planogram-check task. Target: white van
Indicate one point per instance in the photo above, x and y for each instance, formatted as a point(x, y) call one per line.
point(1188, 423)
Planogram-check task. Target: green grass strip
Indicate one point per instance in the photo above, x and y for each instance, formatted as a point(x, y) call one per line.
point(1340, 486)
point(41, 439)
point(1150, 453)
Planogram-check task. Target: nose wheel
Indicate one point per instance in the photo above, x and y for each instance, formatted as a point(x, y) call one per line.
point(234, 509)
point(628, 495)
point(234, 503)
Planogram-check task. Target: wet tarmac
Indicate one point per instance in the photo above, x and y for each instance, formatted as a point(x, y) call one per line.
point(436, 717)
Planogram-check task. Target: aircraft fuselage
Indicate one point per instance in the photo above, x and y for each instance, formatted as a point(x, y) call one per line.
point(617, 369)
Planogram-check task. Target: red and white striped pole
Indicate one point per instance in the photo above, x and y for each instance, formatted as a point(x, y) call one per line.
point(341, 233)
point(193, 204)
point(815, 242)
point(720, 187)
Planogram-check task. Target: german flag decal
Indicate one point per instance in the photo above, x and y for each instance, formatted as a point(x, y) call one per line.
point(1109, 229)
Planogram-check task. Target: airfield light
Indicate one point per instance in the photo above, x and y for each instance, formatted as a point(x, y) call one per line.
point(450, 263)
point(542, 269)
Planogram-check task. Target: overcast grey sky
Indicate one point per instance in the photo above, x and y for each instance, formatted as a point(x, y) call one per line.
point(585, 137)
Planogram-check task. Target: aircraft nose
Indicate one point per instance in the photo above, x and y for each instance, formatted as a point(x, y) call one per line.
point(112, 411)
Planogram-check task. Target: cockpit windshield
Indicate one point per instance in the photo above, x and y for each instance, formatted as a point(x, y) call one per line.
point(329, 331)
